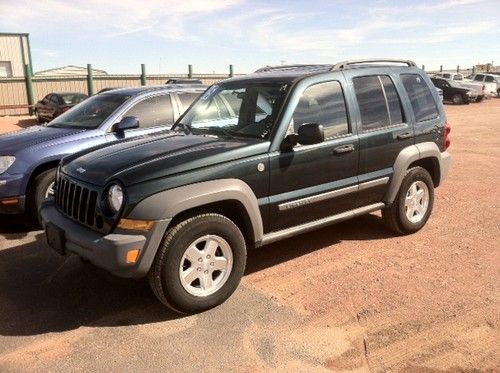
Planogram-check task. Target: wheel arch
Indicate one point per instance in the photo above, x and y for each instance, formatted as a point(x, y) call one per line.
point(426, 155)
point(232, 198)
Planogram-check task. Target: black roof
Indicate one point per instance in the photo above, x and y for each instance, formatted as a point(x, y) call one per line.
point(132, 91)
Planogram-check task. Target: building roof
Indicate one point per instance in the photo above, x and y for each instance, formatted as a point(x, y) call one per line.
point(69, 70)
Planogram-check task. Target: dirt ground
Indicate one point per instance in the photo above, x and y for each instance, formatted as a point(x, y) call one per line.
point(351, 297)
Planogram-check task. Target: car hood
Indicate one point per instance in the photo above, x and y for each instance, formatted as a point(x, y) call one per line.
point(155, 156)
point(12, 142)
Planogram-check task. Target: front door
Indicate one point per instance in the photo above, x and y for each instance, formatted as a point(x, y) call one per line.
point(310, 182)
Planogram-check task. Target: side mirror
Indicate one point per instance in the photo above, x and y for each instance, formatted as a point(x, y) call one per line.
point(127, 123)
point(311, 133)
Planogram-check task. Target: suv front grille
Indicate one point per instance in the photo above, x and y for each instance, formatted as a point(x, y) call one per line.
point(78, 202)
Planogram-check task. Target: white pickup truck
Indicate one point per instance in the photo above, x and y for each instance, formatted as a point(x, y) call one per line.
point(491, 82)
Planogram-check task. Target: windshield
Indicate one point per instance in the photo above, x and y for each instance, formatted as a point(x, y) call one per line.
point(245, 109)
point(90, 113)
point(73, 99)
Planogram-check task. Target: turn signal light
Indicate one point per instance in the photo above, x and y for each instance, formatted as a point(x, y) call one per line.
point(446, 135)
point(9, 201)
point(138, 225)
point(132, 256)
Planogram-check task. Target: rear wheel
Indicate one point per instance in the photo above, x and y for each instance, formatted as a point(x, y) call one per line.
point(479, 98)
point(413, 204)
point(200, 263)
point(457, 99)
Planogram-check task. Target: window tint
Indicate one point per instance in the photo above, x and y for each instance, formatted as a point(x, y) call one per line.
point(421, 99)
point(187, 99)
point(479, 78)
point(153, 111)
point(393, 101)
point(489, 79)
point(372, 104)
point(324, 104)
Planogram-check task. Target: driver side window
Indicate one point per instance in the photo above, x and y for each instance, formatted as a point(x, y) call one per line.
point(324, 104)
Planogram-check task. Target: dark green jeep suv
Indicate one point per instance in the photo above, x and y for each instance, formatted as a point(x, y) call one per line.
point(256, 159)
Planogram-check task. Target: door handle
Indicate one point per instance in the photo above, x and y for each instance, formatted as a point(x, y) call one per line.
point(344, 149)
point(404, 135)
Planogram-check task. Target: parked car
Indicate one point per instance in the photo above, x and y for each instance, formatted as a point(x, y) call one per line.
point(452, 76)
point(490, 81)
point(54, 104)
point(29, 157)
point(453, 92)
point(440, 93)
point(182, 207)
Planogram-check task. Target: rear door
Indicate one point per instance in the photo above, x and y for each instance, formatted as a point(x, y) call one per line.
point(310, 182)
point(384, 130)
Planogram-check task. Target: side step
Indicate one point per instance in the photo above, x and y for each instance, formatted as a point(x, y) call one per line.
point(303, 228)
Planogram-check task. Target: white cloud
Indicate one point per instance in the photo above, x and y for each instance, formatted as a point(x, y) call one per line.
point(165, 18)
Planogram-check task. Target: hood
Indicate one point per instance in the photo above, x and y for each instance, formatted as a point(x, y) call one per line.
point(12, 142)
point(154, 156)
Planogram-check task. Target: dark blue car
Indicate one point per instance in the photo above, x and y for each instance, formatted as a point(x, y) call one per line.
point(29, 157)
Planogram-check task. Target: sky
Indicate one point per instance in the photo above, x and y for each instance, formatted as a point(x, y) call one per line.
point(167, 35)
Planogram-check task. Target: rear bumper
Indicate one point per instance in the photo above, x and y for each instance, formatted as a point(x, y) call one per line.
point(444, 164)
point(106, 251)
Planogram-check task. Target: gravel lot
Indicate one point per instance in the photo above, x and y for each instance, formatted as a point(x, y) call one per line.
point(349, 297)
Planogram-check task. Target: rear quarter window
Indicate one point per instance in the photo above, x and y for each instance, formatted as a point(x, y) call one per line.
point(421, 99)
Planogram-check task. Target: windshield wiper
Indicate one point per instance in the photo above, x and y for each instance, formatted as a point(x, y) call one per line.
point(218, 131)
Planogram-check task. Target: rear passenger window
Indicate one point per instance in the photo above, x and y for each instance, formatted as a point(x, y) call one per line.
point(421, 99)
point(323, 104)
point(489, 79)
point(378, 100)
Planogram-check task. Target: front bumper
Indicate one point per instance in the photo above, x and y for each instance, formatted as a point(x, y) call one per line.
point(106, 251)
point(12, 199)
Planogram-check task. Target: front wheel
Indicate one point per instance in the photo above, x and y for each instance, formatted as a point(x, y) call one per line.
point(199, 264)
point(457, 99)
point(413, 204)
point(43, 190)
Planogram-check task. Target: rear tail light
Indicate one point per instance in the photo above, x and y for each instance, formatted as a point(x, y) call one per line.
point(446, 136)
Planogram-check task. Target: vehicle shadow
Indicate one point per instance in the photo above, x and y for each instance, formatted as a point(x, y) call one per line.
point(25, 123)
point(15, 226)
point(42, 292)
point(289, 249)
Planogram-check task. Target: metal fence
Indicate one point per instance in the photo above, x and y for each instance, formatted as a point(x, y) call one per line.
point(18, 95)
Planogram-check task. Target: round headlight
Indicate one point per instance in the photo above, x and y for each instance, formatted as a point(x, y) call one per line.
point(115, 198)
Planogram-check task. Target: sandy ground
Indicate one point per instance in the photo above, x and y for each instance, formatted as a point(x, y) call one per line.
point(351, 297)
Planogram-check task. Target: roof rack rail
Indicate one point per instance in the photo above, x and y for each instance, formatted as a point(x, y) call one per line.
point(293, 67)
point(345, 64)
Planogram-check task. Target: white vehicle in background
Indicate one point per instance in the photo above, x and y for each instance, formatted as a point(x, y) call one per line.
point(491, 82)
point(440, 93)
point(477, 89)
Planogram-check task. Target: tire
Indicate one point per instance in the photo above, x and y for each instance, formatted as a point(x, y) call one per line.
point(498, 93)
point(40, 192)
point(457, 99)
point(396, 216)
point(479, 98)
point(215, 236)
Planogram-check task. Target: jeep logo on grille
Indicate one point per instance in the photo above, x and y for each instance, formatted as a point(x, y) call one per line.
point(81, 170)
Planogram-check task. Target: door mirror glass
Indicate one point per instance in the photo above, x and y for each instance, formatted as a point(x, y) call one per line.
point(310, 133)
point(127, 123)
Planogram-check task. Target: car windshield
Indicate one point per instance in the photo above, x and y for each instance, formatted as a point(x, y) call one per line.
point(458, 77)
point(246, 109)
point(73, 99)
point(90, 113)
